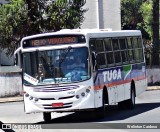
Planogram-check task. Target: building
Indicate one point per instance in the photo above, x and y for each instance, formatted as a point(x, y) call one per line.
point(102, 14)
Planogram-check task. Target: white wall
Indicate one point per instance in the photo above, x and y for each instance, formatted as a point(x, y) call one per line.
point(91, 15)
point(10, 81)
point(102, 14)
point(112, 14)
point(153, 75)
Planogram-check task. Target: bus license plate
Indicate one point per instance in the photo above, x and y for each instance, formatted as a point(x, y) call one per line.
point(57, 104)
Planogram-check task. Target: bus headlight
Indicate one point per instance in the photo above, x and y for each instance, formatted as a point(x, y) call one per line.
point(87, 90)
point(83, 94)
point(30, 97)
point(77, 96)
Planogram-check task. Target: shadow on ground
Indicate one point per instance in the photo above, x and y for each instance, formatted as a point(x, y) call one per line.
point(88, 119)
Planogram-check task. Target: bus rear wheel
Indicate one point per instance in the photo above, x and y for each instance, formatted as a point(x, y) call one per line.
point(131, 102)
point(47, 116)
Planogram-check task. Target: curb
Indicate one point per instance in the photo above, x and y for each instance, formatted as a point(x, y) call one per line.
point(11, 99)
point(153, 88)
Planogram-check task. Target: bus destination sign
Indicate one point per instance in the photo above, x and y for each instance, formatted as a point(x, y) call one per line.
point(53, 40)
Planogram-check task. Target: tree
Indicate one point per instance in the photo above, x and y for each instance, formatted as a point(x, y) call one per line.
point(13, 19)
point(131, 14)
point(146, 9)
point(143, 15)
point(27, 17)
point(155, 27)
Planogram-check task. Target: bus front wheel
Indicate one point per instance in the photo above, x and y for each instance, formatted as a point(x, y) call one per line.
point(101, 111)
point(47, 116)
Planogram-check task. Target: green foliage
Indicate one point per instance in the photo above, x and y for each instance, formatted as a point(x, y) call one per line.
point(26, 17)
point(136, 14)
point(146, 9)
point(131, 15)
point(12, 22)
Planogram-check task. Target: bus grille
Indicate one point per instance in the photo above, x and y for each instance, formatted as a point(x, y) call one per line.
point(49, 106)
point(56, 89)
point(68, 97)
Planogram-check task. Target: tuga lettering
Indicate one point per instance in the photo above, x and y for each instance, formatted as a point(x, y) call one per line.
point(112, 74)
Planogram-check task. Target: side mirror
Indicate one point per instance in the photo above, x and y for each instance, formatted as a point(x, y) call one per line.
point(17, 57)
point(94, 62)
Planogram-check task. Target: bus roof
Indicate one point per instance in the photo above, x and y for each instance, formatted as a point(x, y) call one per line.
point(90, 32)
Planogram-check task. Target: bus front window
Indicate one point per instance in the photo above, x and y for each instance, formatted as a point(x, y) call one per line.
point(56, 66)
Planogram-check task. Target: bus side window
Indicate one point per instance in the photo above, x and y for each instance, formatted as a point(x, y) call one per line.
point(110, 59)
point(100, 50)
point(94, 60)
point(92, 45)
point(130, 49)
point(124, 51)
point(116, 49)
point(93, 52)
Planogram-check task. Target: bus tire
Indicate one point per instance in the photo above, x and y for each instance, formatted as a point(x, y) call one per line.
point(101, 111)
point(47, 116)
point(130, 103)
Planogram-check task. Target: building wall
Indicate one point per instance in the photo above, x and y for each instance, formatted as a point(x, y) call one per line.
point(10, 81)
point(91, 15)
point(5, 60)
point(102, 14)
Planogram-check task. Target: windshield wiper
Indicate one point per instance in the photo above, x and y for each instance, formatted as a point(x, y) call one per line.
point(64, 55)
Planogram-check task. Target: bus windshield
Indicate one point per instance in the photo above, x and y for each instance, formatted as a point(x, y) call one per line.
point(56, 66)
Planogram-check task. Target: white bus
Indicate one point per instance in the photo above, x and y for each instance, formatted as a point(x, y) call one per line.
point(81, 69)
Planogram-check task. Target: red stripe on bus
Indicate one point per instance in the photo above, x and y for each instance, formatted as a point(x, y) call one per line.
point(119, 82)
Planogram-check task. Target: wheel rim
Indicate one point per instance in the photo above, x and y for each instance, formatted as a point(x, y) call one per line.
point(104, 108)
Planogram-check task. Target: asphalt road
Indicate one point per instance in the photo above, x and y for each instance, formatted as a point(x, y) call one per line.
point(147, 110)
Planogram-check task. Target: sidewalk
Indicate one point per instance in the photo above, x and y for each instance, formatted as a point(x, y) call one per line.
point(20, 98)
point(11, 99)
point(153, 88)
